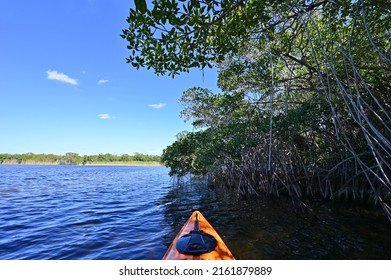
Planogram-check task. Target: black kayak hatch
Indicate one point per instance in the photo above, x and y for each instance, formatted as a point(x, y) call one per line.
point(196, 242)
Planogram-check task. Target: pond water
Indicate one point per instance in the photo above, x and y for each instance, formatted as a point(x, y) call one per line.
point(134, 213)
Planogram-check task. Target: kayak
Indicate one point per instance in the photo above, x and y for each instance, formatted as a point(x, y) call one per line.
point(198, 240)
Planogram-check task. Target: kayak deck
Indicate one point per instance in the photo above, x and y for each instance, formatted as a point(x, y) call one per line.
point(220, 252)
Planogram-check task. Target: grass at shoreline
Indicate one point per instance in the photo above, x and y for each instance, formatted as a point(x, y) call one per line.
point(137, 159)
point(120, 163)
point(130, 163)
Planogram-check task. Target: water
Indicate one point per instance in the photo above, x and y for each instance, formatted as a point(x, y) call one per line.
point(104, 212)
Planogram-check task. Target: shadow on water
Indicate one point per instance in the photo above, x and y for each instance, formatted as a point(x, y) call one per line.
point(264, 228)
point(91, 212)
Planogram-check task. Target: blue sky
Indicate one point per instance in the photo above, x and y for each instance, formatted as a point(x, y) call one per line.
point(65, 86)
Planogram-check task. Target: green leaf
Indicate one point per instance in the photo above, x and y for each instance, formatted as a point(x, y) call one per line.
point(195, 3)
point(141, 5)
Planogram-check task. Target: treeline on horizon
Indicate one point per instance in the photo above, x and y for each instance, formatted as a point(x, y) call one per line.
point(76, 159)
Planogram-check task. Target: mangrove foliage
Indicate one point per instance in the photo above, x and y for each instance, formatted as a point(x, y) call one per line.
point(305, 102)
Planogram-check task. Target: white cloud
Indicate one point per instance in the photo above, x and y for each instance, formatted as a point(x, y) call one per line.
point(61, 77)
point(101, 82)
point(157, 106)
point(104, 116)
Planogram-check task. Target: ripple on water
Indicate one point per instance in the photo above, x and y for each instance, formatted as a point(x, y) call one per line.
point(89, 212)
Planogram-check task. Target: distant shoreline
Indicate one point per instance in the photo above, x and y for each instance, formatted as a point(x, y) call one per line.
point(75, 159)
point(125, 164)
point(147, 163)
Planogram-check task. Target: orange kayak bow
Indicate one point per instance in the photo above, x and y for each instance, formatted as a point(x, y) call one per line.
point(198, 240)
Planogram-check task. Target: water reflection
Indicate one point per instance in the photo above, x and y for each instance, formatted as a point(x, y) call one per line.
point(92, 212)
point(265, 228)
